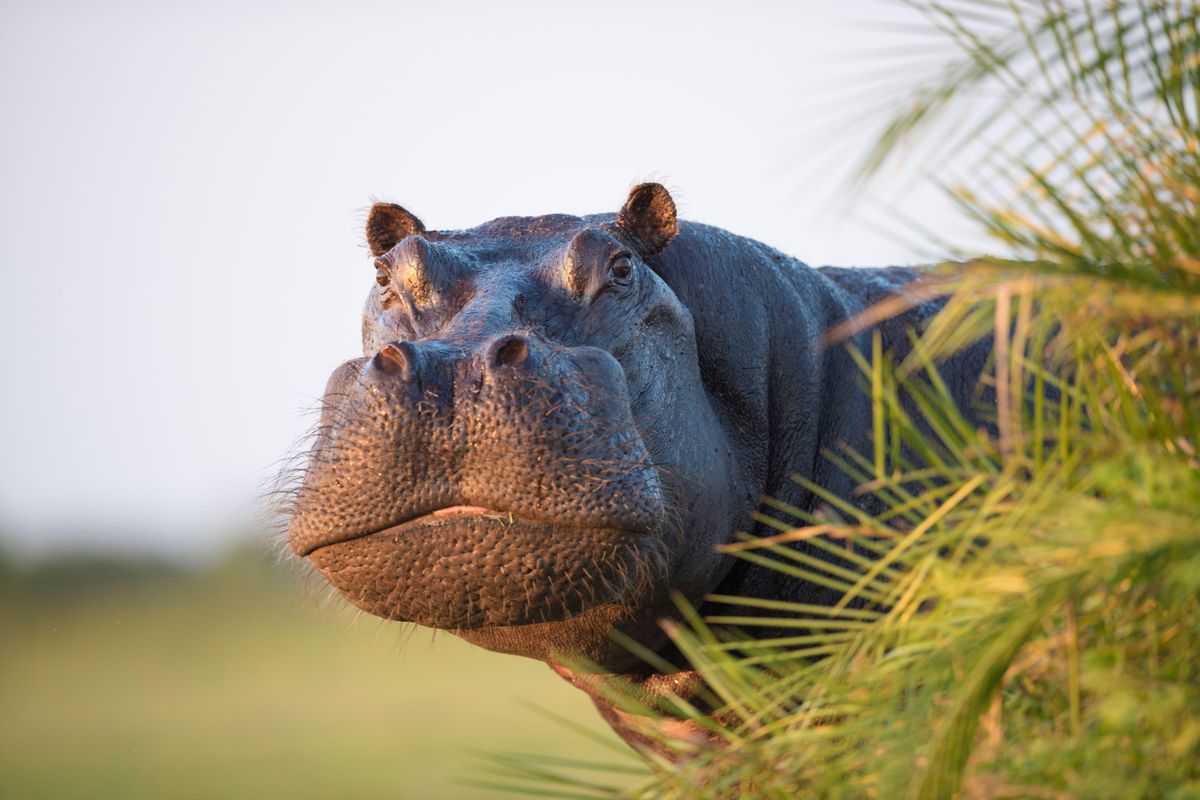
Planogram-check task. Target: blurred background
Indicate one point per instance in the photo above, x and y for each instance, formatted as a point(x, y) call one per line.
point(182, 190)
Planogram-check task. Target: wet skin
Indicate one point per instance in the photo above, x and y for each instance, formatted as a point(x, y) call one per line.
point(556, 420)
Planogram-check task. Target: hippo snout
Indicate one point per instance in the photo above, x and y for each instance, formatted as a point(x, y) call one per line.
point(510, 463)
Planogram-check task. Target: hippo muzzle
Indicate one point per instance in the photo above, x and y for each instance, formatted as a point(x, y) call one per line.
point(500, 484)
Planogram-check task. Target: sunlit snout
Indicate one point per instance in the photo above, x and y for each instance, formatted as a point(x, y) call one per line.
point(462, 486)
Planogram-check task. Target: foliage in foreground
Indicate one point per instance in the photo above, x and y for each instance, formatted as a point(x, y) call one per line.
point(1023, 620)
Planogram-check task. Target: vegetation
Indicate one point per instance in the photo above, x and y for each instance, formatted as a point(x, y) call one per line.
point(1024, 619)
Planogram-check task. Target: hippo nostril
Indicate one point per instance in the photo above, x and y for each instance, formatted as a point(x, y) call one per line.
point(511, 351)
point(396, 357)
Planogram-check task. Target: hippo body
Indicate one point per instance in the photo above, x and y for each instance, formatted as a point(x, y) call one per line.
point(556, 420)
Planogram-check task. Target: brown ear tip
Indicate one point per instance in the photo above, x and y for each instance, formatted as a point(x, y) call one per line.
point(652, 198)
point(392, 213)
point(651, 193)
point(649, 214)
point(387, 224)
point(651, 186)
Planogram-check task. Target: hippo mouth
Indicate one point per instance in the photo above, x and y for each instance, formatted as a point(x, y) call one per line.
point(454, 515)
point(464, 567)
point(446, 515)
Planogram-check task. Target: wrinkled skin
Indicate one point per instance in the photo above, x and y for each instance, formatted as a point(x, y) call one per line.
point(556, 420)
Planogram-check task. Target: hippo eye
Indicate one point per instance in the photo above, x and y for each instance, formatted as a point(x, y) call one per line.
point(383, 277)
point(621, 266)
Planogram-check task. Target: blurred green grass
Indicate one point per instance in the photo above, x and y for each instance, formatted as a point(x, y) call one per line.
point(134, 680)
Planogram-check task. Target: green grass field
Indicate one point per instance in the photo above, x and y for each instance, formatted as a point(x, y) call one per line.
point(233, 682)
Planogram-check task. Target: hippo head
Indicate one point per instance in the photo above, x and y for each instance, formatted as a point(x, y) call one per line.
point(526, 454)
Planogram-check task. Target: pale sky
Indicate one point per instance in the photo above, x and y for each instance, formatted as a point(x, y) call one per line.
point(182, 188)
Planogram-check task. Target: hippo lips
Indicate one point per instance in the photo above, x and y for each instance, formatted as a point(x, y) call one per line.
point(468, 567)
point(425, 520)
point(457, 514)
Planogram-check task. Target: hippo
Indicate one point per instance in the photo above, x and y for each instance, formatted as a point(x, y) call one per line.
point(557, 420)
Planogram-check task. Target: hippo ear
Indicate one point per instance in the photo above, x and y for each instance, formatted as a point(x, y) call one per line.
point(649, 215)
point(387, 224)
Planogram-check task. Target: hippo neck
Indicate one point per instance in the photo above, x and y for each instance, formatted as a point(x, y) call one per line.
point(816, 404)
point(759, 317)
